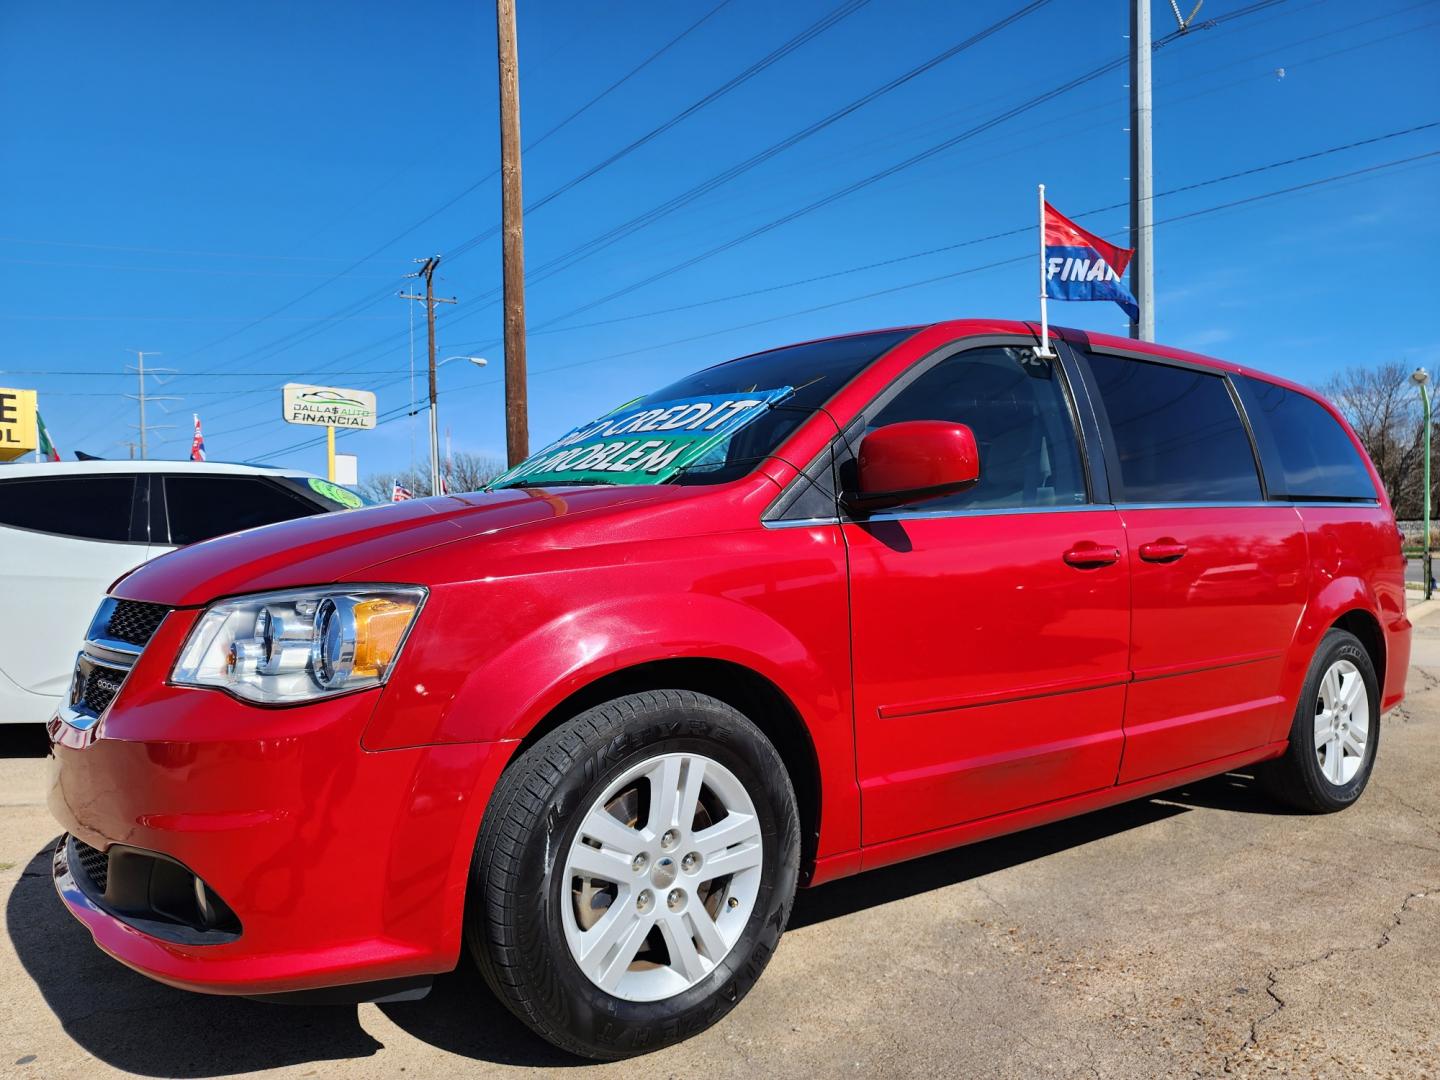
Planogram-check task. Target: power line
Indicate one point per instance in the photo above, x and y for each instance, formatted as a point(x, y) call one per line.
point(394, 414)
point(23, 240)
point(597, 243)
point(847, 8)
point(1021, 230)
point(218, 375)
point(942, 249)
point(885, 173)
point(814, 30)
point(771, 58)
point(549, 326)
point(380, 344)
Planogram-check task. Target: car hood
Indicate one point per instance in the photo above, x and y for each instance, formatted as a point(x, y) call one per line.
point(339, 546)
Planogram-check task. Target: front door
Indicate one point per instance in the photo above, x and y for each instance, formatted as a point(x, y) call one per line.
point(1218, 574)
point(991, 628)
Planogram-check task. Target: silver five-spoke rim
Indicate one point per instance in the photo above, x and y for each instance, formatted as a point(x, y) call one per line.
point(1342, 723)
point(661, 877)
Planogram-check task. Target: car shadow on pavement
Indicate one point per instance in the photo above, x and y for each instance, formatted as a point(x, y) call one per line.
point(143, 1027)
point(1234, 792)
point(133, 1023)
point(891, 883)
point(1240, 793)
point(461, 1016)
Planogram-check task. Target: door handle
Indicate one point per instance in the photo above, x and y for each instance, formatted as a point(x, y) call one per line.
point(1086, 555)
point(1163, 550)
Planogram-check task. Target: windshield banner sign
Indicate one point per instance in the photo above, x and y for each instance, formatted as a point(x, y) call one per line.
point(642, 444)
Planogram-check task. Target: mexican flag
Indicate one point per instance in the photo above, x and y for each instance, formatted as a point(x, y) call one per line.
point(46, 450)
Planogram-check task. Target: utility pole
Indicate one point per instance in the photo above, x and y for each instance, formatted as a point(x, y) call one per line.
point(1142, 177)
point(1142, 264)
point(427, 271)
point(1421, 378)
point(517, 417)
point(141, 397)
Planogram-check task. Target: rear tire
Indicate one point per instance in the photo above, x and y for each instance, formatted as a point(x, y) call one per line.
point(634, 873)
point(1335, 732)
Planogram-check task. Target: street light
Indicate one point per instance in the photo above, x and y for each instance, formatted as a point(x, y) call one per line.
point(1421, 378)
point(478, 361)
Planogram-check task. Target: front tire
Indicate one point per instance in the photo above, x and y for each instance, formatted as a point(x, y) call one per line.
point(634, 873)
point(1335, 733)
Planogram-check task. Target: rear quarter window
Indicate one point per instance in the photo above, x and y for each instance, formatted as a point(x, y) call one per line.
point(1307, 455)
point(202, 507)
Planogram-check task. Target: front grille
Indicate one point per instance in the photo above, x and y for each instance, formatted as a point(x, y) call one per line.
point(100, 687)
point(135, 621)
point(95, 865)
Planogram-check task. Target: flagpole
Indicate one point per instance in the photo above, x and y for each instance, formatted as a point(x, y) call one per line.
point(1044, 310)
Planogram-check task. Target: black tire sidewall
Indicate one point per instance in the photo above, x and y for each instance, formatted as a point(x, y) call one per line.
point(1336, 645)
point(605, 1025)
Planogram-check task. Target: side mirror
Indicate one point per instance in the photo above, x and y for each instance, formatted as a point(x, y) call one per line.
point(913, 461)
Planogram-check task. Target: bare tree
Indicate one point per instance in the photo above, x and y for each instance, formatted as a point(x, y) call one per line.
point(1382, 406)
point(461, 471)
point(464, 471)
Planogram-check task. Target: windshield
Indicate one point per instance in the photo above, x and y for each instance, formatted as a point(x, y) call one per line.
point(708, 428)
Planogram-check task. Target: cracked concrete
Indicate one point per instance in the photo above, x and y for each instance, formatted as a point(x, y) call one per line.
point(1205, 933)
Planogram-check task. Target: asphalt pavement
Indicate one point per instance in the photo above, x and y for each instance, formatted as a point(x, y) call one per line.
point(1205, 933)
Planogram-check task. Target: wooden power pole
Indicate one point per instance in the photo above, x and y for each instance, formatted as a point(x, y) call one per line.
point(517, 419)
point(427, 271)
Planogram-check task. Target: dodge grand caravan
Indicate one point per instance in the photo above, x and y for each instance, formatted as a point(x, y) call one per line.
point(799, 615)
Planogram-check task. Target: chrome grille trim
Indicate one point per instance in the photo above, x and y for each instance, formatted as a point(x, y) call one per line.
point(117, 636)
point(133, 622)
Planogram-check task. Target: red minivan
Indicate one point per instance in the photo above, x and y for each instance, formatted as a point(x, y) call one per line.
point(799, 615)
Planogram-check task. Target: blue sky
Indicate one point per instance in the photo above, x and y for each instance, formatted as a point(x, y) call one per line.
point(206, 181)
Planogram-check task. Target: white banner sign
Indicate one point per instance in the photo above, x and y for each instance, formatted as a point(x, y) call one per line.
point(347, 470)
point(331, 406)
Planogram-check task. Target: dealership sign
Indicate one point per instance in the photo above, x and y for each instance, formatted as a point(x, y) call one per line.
point(330, 406)
point(17, 423)
point(645, 443)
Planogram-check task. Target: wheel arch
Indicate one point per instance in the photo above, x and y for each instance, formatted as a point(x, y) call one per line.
point(742, 688)
point(1366, 627)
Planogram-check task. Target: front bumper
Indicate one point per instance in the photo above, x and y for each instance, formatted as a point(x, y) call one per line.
point(341, 866)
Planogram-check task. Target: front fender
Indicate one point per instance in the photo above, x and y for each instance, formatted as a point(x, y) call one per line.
point(493, 658)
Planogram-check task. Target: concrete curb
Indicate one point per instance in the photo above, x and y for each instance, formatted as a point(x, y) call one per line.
point(1422, 609)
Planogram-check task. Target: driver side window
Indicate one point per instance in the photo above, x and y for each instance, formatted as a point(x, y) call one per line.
point(1015, 403)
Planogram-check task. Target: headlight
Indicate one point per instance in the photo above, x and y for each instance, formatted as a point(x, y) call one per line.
point(299, 645)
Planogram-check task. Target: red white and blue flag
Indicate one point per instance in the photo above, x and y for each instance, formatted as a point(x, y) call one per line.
point(197, 444)
point(399, 492)
point(1081, 266)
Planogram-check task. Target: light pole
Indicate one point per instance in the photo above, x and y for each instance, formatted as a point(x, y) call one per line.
point(1421, 378)
point(478, 361)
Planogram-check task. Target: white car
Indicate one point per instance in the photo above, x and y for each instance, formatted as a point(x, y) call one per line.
point(69, 529)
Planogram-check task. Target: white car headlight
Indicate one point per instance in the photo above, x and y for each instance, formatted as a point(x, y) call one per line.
point(301, 644)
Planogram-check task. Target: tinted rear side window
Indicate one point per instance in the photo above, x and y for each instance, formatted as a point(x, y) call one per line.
point(1175, 433)
point(86, 507)
point(1307, 454)
point(201, 507)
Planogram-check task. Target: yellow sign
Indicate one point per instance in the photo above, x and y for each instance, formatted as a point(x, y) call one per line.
point(17, 424)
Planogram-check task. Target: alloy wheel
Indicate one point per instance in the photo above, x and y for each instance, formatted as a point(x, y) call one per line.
point(661, 877)
point(1342, 723)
